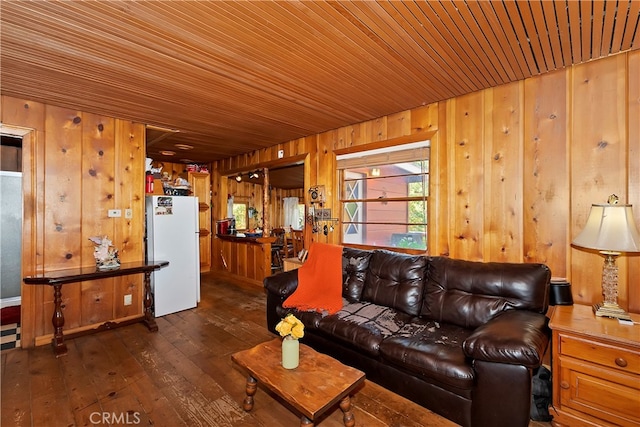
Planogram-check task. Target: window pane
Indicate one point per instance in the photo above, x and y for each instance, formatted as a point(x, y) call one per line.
point(385, 222)
point(301, 217)
point(390, 235)
point(240, 214)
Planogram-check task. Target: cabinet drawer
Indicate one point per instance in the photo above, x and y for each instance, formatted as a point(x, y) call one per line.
point(599, 397)
point(614, 357)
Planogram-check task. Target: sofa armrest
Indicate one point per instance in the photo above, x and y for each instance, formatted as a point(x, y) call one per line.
point(278, 287)
point(516, 337)
point(282, 284)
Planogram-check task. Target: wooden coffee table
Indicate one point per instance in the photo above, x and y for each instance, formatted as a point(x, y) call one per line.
point(316, 385)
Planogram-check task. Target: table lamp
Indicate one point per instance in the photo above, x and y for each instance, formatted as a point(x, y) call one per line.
point(610, 229)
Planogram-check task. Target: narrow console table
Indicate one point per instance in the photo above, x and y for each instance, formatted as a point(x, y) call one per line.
point(82, 274)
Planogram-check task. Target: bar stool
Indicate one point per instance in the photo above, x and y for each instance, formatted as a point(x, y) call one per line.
point(276, 249)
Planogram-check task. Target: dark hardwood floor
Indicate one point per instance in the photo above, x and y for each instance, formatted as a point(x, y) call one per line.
point(179, 376)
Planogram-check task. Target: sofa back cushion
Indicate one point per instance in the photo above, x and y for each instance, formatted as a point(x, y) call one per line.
point(355, 263)
point(395, 280)
point(468, 293)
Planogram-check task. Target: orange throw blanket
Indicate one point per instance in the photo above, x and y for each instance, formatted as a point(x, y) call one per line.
point(319, 281)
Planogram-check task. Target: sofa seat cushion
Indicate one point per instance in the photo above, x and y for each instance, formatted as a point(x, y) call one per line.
point(363, 325)
point(431, 350)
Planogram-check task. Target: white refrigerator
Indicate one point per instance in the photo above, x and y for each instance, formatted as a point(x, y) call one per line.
point(172, 235)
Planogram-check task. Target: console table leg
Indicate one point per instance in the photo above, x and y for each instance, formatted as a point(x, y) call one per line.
point(149, 320)
point(57, 342)
point(348, 418)
point(252, 385)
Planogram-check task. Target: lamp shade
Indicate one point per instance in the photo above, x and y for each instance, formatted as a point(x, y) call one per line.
point(610, 228)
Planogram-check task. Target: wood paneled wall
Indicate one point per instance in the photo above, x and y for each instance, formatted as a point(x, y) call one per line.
point(77, 166)
point(515, 168)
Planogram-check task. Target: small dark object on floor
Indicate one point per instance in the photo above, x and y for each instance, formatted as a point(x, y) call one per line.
point(541, 387)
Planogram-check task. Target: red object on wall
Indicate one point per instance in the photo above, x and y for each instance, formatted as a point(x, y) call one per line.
point(149, 184)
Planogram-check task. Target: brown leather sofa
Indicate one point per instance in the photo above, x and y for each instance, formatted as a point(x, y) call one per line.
point(460, 338)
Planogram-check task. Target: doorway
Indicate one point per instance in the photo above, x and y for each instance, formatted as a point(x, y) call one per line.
point(10, 220)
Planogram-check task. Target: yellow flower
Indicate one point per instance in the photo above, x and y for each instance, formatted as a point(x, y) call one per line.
point(290, 325)
point(298, 331)
point(284, 328)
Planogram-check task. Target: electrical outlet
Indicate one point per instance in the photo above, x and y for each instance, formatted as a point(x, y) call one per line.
point(128, 299)
point(280, 154)
point(114, 213)
point(128, 213)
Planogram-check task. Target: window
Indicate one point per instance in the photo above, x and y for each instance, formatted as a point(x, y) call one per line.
point(240, 215)
point(301, 216)
point(384, 196)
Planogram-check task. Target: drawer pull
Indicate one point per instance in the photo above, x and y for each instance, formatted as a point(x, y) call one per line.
point(564, 385)
point(621, 362)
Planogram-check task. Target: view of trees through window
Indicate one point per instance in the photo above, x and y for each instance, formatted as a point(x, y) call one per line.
point(240, 214)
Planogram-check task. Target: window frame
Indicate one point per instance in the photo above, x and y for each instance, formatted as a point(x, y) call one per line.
point(361, 164)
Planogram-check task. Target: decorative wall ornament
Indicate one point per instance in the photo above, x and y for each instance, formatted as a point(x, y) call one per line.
point(105, 253)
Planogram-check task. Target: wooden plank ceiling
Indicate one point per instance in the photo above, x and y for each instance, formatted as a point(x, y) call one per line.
point(233, 77)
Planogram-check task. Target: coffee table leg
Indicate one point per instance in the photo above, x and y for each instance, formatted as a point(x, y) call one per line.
point(305, 422)
point(252, 385)
point(345, 405)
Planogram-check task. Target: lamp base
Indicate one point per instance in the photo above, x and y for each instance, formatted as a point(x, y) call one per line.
point(608, 310)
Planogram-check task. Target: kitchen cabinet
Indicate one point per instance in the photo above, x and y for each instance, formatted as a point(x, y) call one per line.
point(596, 369)
point(201, 188)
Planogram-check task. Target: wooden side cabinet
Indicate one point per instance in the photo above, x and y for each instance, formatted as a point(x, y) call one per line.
point(596, 369)
point(201, 187)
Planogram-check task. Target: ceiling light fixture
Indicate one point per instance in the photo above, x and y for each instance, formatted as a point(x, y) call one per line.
point(239, 177)
point(184, 147)
point(254, 175)
point(168, 153)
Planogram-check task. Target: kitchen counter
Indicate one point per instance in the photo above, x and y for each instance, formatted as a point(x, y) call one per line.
point(245, 239)
point(247, 259)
